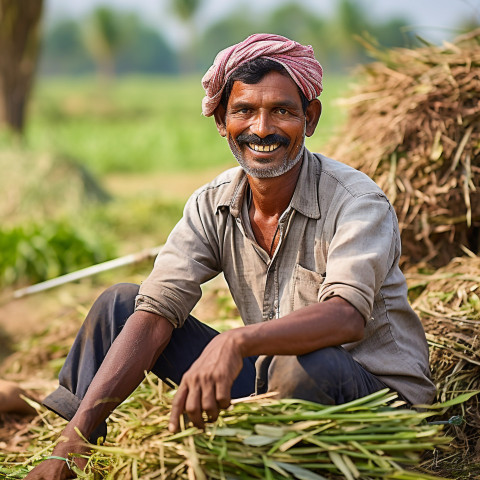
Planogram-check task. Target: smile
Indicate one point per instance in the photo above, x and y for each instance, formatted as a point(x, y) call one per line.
point(263, 148)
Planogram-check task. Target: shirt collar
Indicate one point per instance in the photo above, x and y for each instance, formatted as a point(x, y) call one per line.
point(305, 197)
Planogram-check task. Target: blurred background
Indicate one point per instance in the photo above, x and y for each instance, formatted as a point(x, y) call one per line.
point(101, 135)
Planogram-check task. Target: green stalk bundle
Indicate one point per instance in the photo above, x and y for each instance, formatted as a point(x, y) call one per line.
point(274, 439)
point(374, 437)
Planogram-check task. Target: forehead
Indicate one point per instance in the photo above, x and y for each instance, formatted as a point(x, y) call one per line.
point(273, 87)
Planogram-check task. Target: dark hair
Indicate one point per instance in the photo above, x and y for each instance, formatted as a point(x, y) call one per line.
point(253, 72)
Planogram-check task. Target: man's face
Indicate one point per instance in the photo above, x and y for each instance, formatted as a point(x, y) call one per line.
point(265, 125)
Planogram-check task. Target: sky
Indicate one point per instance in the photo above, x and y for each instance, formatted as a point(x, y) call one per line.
point(433, 19)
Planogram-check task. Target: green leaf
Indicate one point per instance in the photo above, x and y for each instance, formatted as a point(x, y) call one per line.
point(299, 472)
point(270, 430)
point(230, 432)
point(450, 403)
point(341, 465)
point(258, 440)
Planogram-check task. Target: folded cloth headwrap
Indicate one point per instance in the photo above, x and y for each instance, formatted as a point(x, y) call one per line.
point(298, 60)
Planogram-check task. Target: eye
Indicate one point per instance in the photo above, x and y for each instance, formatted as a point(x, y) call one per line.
point(282, 111)
point(241, 111)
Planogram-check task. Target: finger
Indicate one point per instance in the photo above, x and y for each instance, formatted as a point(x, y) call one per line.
point(193, 407)
point(178, 407)
point(223, 394)
point(209, 402)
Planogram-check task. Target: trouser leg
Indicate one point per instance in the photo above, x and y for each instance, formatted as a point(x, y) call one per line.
point(186, 345)
point(102, 325)
point(328, 376)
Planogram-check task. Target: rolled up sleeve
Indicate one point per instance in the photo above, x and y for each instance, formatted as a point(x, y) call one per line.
point(188, 259)
point(361, 253)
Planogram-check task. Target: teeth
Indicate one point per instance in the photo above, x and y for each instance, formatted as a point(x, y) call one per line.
point(261, 148)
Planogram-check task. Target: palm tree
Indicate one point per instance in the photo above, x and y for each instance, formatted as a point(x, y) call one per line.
point(186, 10)
point(103, 36)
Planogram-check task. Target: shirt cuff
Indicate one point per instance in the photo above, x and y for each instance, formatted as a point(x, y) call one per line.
point(351, 296)
point(148, 304)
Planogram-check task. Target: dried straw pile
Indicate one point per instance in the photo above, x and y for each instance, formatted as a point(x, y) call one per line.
point(414, 127)
point(449, 307)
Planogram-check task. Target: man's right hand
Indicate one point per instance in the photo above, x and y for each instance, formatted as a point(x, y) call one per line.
point(55, 469)
point(51, 469)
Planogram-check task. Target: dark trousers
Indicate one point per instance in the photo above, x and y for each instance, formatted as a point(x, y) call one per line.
point(328, 376)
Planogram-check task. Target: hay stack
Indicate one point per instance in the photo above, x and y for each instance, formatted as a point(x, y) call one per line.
point(414, 127)
point(449, 307)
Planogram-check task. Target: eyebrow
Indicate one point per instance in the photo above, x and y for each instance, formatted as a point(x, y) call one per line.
point(281, 103)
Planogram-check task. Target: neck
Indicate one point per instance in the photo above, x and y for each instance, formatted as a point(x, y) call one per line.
point(271, 196)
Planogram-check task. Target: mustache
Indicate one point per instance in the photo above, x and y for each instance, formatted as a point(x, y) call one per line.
point(272, 139)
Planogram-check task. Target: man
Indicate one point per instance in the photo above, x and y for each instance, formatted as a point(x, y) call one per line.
point(309, 248)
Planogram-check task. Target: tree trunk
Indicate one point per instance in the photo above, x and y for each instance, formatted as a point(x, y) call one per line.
point(19, 46)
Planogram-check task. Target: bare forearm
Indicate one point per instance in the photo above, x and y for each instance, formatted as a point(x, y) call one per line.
point(134, 351)
point(326, 324)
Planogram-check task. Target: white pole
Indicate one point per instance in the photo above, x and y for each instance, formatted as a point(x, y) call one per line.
point(89, 271)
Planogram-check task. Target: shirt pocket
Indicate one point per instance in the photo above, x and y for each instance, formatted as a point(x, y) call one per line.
point(305, 287)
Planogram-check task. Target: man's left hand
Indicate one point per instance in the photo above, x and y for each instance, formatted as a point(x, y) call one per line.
point(205, 388)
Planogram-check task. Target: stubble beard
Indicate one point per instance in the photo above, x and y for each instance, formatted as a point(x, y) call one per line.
point(268, 171)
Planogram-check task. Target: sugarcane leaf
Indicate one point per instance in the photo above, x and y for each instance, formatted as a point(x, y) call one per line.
point(258, 440)
point(450, 403)
point(231, 432)
point(340, 464)
point(270, 430)
point(299, 472)
point(352, 467)
point(184, 433)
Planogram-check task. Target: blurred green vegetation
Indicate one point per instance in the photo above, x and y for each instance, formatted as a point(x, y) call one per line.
point(135, 124)
point(113, 41)
point(61, 209)
point(35, 252)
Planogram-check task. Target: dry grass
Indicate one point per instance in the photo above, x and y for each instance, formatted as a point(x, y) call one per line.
point(449, 307)
point(414, 127)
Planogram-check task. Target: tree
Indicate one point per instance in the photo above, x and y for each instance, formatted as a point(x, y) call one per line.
point(63, 50)
point(19, 46)
point(142, 49)
point(103, 36)
point(225, 32)
point(186, 11)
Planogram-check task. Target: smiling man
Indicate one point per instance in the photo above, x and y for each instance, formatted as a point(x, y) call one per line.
point(308, 246)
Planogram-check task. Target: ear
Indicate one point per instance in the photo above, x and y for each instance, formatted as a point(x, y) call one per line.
point(312, 116)
point(219, 115)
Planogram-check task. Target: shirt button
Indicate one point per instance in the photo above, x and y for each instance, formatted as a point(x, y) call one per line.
point(271, 314)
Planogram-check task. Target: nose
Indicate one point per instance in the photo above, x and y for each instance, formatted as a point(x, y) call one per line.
point(262, 125)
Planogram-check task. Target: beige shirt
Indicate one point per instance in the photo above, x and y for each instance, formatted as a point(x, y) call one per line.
point(338, 237)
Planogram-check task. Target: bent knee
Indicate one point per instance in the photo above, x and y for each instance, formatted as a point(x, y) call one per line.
point(120, 293)
point(313, 376)
point(114, 305)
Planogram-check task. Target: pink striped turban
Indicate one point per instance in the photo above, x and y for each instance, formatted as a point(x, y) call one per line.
point(298, 60)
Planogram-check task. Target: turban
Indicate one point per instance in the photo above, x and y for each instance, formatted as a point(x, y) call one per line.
point(297, 59)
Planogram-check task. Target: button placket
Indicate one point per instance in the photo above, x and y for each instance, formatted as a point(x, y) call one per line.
point(271, 295)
